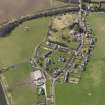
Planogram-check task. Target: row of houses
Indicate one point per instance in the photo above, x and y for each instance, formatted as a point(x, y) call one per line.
point(75, 68)
point(88, 35)
point(57, 46)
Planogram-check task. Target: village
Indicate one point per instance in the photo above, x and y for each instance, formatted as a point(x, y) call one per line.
point(64, 54)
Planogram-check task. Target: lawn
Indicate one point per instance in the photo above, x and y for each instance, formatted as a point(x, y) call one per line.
point(91, 90)
point(19, 45)
point(19, 85)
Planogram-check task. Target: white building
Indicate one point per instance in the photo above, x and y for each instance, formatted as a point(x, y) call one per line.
point(38, 78)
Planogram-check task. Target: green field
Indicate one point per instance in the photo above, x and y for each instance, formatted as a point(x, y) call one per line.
point(91, 90)
point(19, 45)
point(19, 85)
point(17, 48)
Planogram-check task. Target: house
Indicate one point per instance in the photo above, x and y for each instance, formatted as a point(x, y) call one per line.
point(48, 61)
point(51, 45)
point(47, 54)
point(61, 59)
point(57, 72)
point(61, 48)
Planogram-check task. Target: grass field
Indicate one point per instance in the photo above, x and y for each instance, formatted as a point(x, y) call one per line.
point(91, 90)
point(19, 85)
point(20, 44)
point(16, 48)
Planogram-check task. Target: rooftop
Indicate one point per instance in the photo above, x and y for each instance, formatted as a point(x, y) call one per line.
point(36, 75)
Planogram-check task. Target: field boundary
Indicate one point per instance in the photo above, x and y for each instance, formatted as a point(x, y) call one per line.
point(4, 85)
point(8, 27)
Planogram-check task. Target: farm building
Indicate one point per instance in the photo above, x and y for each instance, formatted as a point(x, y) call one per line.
point(38, 78)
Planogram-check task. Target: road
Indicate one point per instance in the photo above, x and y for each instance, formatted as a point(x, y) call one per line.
point(53, 91)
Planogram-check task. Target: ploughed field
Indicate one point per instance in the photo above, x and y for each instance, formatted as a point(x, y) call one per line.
point(90, 91)
point(10, 9)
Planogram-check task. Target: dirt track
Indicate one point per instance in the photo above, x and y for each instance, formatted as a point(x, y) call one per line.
point(14, 8)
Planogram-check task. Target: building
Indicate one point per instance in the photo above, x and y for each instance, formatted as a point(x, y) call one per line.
point(48, 54)
point(41, 91)
point(38, 78)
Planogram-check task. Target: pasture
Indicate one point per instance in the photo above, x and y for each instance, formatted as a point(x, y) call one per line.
point(20, 85)
point(19, 45)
